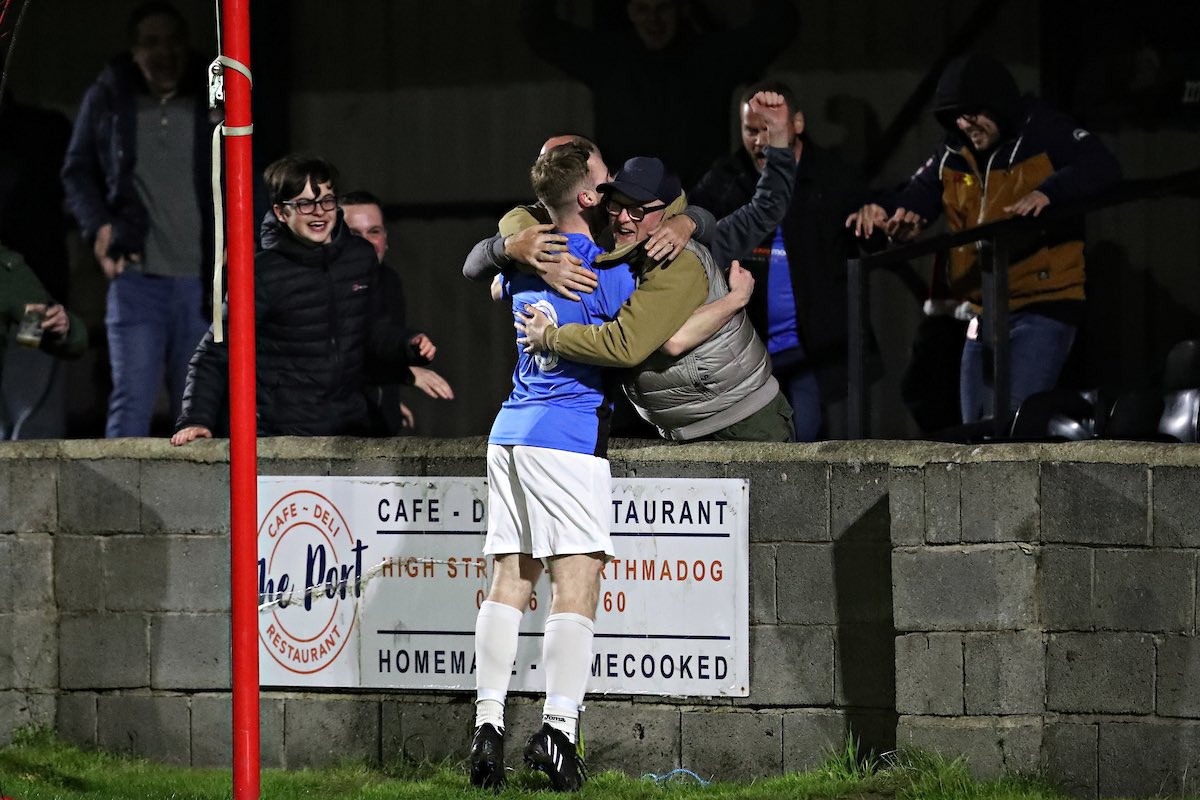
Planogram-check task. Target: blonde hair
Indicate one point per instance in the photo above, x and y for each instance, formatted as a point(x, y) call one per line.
point(557, 174)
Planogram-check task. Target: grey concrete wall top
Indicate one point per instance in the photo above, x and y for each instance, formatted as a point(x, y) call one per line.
point(872, 451)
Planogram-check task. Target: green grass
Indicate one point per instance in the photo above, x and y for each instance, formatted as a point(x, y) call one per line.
point(37, 766)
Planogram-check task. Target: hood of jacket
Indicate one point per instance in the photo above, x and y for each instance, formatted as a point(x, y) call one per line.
point(978, 83)
point(279, 238)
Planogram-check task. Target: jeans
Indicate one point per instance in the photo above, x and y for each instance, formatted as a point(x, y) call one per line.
point(1038, 348)
point(154, 325)
point(799, 386)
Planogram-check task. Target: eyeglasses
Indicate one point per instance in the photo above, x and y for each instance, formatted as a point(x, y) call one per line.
point(306, 206)
point(636, 213)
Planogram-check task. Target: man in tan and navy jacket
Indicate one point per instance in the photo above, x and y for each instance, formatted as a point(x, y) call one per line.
point(1004, 155)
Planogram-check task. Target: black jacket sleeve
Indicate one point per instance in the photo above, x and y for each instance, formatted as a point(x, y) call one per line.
point(486, 259)
point(741, 230)
point(388, 352)
point(207, 391)
point(1083, 166)
point(923, 191)
point(82, 174)
point(206, 394)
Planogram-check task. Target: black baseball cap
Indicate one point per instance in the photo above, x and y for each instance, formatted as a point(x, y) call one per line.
point(643, 179)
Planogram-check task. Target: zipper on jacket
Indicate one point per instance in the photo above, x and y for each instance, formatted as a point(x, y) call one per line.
point(987, 173)
point(333, 341)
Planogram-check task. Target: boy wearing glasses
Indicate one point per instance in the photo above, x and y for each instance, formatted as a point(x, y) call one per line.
point(319, 318)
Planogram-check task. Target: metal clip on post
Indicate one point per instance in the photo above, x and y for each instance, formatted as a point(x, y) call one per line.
point(216, 83)
point(216, 88)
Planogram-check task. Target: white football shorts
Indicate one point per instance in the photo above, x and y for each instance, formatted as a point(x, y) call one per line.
point(547, 502)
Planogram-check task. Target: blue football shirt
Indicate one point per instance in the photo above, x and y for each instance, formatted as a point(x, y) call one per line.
point(556, 403)
point(782, 333)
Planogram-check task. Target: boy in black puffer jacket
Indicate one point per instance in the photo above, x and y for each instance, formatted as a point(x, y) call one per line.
point(320, 322)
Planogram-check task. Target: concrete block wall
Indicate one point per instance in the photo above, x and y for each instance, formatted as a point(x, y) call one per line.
point(1031, 607)
point(117, 627)
point(28, 615)
point(1045, 607)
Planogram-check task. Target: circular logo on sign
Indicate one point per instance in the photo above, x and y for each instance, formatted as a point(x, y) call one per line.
point(309, 581)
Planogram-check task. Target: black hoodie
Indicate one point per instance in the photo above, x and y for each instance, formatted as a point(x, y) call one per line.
point(978, 83)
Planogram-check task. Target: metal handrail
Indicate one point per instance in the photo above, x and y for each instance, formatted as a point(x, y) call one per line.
point(993, 239)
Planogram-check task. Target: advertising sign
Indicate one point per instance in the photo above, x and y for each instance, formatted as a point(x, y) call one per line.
point(371, 582)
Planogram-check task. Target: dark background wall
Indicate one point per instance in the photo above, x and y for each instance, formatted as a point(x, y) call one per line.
point(440, 107)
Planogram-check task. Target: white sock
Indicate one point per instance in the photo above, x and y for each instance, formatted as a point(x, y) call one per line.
point(567, 655)
point(496, 632)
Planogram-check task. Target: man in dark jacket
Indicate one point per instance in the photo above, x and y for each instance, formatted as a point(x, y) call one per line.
point(320, 322)
point(799, 302)
point(1004, 155)
point(363, 214)
point(136, 178)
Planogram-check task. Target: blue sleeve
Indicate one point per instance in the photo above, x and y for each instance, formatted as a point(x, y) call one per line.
point(609, 303)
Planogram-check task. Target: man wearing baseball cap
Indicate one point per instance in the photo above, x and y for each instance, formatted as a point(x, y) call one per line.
point(721, 388)
point(526, 239)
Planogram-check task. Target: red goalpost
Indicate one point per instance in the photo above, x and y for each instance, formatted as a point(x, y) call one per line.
point(243, 458)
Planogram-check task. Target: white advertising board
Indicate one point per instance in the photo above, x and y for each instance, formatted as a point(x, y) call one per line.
point(372, 582)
